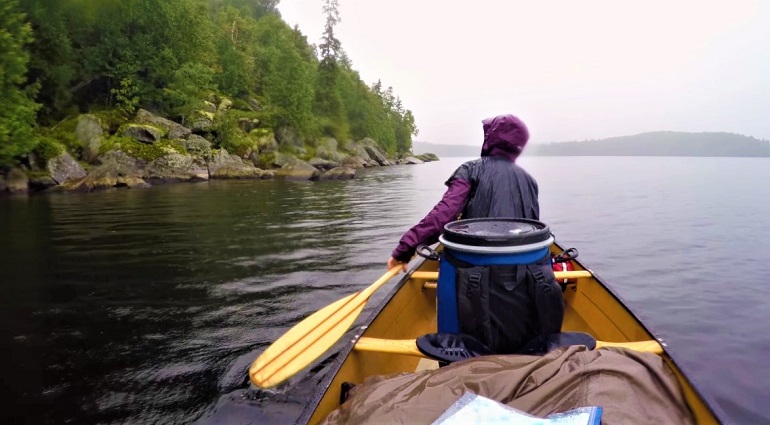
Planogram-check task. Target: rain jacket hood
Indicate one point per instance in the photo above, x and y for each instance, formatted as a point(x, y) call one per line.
point(504, 135)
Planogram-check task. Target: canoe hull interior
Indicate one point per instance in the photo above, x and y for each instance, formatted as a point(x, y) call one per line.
point(409, 311)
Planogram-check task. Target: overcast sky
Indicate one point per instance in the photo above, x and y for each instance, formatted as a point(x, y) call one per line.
point(572, 70)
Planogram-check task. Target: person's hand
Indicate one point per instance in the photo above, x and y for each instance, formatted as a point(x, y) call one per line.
point(394, 263)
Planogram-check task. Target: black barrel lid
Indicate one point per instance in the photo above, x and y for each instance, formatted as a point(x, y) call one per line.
point(496, 232)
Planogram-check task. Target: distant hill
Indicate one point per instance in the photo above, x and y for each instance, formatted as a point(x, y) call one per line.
point(446, 150)
point(659, 143)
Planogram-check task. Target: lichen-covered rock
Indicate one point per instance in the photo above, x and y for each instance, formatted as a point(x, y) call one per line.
point(202, 121)
point(323, 164)
point(410, 160)
point(90, 133)
point(223, 165)
point(173, 129)
point(114, 165)
point(225, 104)
point(353, 162)
point(64, 167)
point(282, 159)
point(377, 155)
point(428, 157)
point(198, 146)
point(327, 148)
point(16, 181)
point(361, 152)
point(339, 173)
point(264, 139)
point(175, 167)
point(298, 170)
point(144, 133)
point(209, 107)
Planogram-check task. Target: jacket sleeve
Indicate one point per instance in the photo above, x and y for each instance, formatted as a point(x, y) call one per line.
point(429, 228)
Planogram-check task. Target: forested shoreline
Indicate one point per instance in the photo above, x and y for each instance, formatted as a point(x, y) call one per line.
point(148, 91)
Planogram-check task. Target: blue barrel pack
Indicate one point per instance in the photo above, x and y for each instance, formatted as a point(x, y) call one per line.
point(485, 242)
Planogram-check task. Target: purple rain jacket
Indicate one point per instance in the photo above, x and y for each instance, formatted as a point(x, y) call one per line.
point(491, 186)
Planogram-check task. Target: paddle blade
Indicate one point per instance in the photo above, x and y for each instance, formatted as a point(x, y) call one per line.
point(310, 338)
point(306, 342)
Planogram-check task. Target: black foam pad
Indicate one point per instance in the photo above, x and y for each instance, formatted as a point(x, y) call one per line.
point(448, 347)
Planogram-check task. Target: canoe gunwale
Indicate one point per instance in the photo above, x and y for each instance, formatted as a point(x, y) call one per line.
point(709, 402)
point(325, 383)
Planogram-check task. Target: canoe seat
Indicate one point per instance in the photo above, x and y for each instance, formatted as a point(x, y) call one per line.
point(448, 348)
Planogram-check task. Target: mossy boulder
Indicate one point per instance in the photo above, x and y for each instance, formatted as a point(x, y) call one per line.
point(339, 173)
point(143, 151)
point(411, 160)
point(90, 134)
point(175, 167)
point(298, 170)
point(224, 105)
point(144, 133)
point(353, 162)
point(209, 107)
point(173, 129)
point(115, 167)
point(224, 165)
point(202, 121)
point(327, 148)
point(323, 164)
point(264, 139)
point(428, 157)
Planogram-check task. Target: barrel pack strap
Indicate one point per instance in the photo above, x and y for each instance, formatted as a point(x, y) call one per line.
point(548, 301)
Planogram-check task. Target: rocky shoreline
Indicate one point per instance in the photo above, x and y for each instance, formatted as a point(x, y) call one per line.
point(149, 150)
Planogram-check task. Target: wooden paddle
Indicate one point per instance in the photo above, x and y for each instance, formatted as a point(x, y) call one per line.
point(310, 338)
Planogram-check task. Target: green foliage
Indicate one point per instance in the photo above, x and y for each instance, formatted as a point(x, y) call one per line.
point(47, 148)
point(17, 107)
point(287, 81)
point(170, 56)
point(191, 83)
point(229, 135)
point(127, 96)
point(250, 8)
point(266, 160)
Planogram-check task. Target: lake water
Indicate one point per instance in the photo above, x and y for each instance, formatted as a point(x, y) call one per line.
point(148, 306)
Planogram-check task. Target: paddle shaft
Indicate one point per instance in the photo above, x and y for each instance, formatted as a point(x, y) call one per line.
point(311, 337)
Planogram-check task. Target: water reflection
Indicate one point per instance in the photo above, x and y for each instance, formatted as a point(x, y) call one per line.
point(148, 306)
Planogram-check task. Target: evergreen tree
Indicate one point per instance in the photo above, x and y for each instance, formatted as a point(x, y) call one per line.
point(17, 107)
point(329, 104)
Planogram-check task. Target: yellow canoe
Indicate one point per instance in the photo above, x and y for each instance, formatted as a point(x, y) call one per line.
point(385, 343)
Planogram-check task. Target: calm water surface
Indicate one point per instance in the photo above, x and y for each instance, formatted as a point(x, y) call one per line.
point(148, 306)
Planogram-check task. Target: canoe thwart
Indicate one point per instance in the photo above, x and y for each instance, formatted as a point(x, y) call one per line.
point(393, 346)
point(430, 278)
point(408, 347)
